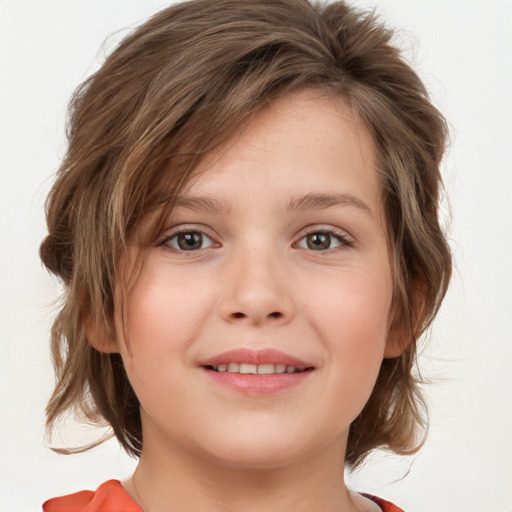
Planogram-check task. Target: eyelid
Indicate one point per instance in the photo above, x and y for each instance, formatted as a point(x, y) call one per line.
point(346, 239)
point(187, 228)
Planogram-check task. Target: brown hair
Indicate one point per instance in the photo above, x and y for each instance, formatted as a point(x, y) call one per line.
point(176, 88)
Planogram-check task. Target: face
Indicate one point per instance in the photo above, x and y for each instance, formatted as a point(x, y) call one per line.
point(259, 321)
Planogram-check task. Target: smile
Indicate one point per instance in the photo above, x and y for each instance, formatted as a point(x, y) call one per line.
point(255, 369)
point(260, 372)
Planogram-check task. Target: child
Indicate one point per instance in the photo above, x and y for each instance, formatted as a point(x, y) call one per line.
point(246, 224)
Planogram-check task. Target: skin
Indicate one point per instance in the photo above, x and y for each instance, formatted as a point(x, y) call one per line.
point(255, 280)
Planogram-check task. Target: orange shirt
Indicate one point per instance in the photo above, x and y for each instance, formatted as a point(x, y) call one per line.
point(111, 497)
point(386, 506)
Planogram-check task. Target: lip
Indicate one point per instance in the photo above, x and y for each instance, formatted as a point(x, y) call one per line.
point(251, 356)
point(257, 385)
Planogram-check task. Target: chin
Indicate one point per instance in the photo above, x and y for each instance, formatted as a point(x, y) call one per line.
point(259, 448)
point(257, 458)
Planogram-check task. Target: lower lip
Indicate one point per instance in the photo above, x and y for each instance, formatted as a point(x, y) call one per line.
point(250, 384)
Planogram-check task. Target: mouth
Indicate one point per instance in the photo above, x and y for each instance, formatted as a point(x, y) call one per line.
point(264, 361)
point(256, 369)
point(257, 372)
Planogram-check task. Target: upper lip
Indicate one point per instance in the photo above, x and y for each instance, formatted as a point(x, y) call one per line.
point(253, 356)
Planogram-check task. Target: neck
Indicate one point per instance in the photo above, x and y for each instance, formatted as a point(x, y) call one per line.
point(180, 480)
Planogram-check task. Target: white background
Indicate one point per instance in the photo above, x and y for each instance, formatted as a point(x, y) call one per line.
point(462, 49)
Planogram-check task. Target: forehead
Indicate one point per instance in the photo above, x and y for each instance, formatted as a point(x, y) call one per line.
point(305, 142)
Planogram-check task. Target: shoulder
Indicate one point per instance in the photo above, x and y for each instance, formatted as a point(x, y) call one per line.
point(108, 497)
point(386, 506)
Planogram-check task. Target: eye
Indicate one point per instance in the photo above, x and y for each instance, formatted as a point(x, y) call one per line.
point(188, 241)
point(323, 240)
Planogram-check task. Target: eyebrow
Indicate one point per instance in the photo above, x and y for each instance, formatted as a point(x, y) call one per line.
point(203, 204)
point(212, 206)
point(324, 201)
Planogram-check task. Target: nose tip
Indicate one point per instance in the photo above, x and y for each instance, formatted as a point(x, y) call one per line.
point(255, 294)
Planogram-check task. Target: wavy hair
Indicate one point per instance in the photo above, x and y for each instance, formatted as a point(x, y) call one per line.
point(176, 88)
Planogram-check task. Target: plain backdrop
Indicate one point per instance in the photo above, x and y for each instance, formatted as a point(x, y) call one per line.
point(462, 50)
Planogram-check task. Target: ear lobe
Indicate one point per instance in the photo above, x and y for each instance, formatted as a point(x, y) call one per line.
point(401, 335)
point(98, 336)
point(397, 341)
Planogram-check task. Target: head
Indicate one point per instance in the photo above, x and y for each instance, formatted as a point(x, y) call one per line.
point(175, 91)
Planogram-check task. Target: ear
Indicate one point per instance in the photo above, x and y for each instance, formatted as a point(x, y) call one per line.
point(97, 334)
point(400, 335)
point(399, 338)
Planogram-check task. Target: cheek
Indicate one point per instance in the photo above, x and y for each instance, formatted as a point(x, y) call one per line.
point(165, 310)
point(353, 322)
point(165, 313)
point(355, 306)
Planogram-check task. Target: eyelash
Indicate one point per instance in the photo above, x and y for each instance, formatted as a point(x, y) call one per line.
point(166, 241)
point(343, 239)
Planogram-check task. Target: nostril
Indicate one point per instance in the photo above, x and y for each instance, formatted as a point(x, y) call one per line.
point(275, 314)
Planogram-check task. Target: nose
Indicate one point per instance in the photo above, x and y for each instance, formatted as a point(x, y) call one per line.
point(256, 289)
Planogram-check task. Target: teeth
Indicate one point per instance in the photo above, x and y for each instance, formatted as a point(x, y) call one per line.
point(233, 367)
point(266, 369)
point(255, 369)
point(248, 368)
